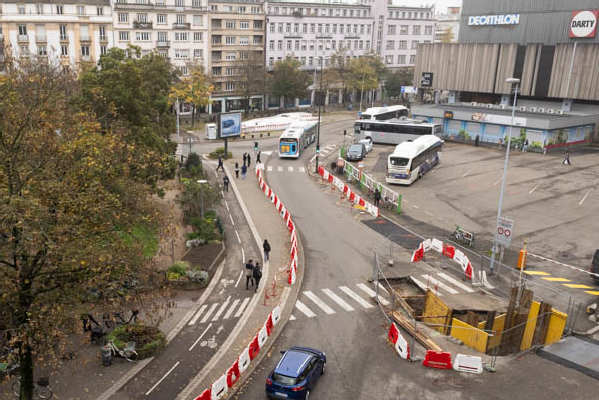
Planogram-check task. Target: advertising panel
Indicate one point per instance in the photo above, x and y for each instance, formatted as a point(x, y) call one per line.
point(229, 125)
point(583, 24)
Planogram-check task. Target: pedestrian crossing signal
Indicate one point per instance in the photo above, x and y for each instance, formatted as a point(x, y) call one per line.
point(255, 146)
point(317, 149)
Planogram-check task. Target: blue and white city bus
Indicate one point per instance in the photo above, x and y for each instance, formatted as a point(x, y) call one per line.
point(411, 160)
point(296, 138)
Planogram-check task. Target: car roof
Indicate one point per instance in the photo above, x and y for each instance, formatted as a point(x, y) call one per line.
point(293, 363)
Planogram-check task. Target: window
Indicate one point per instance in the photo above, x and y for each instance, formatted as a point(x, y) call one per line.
point(304, 45)
point(416, 30)
point(197, 36)
point(361, 44)
point(81, 11)
point(123, 17)
point(103, 50)
point(241, 9)
point(272, 27)
point(181, 36)
point(179, 3)
point(244, 24)
point(327, 28)
point(312, 28)
point(289, 45)
point(403, 44)
point(229, 86)
point(310, 60)
point(271, 61)
point(198, 20)
point(295, 28)
point(355, 28)
point(229, 71)
point(362, 29)
point(198, 53)
point(341, 28)
point(367, 44)
point(334, 28)
point(161, 19)
point(428, 30)
point(84, 50)
point(271, 45)
point(256, 10)
point(388, 59)
point(100, 10)
point(368, 29)
point(257, 39)
point(334, 45)
point(64, 50)
point(42, 50)
point(257, 24)
point(297, 45)
point(142, 36)
point(40, 10)
point(180, 18)
point(390, 45)
point(123, 36)
point(142, 18)
point(184, 70)
point(412, 59)
point(319, 28)
point(280, 27)
point(287, 28)
point(401, 59)
point(196, 3)
point(63, 32)
point(230, 40)
point(182, 54)
point(415, 44)
point(59, 11)
point(279, 45)
point(216, 71)
point(391, 30)
point(403, 30)
point(305, 28)
point(23, 30)
point(230, 24)
point(162, 36)
point(102, 32)
point(244, 41)
point(21, 9)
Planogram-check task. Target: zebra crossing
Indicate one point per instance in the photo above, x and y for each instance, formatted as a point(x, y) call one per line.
point(280, 168)
point(224, 311)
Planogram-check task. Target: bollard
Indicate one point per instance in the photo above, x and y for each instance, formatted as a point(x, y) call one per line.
point(399, 204)
point(522, 258)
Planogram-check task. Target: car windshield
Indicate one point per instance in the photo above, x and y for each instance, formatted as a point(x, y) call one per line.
point(399, 162)
point(284, 379)
point(355, 148)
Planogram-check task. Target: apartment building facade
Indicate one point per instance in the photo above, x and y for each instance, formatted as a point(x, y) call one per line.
point(448, 25)
point(177, 29)
point(71, 31)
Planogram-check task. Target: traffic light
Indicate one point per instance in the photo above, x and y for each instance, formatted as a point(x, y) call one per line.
point(317, 149)
point(344, 132)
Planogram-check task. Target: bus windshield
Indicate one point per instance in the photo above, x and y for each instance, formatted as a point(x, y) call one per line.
point(399, 162)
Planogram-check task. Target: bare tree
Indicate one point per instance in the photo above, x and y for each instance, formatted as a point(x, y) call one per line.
point(252, 76)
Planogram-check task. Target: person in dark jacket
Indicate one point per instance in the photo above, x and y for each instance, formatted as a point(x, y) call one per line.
point(266, 248)
point(257, 274)
point(249, 274)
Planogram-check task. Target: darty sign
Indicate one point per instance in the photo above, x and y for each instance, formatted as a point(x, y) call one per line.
point(583, 24)
point(507, 19)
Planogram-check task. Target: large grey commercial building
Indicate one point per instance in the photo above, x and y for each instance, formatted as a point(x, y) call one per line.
point(552, 46)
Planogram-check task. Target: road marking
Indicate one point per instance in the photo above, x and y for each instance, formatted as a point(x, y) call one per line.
point(533, 189)
point(221, 309)
point(163, 378)
point(465, 174)
point(239, 279)
point(242, 256)
point(200, 337)
point(290, 169)
point(322, 305)
point(210, 311)
point(230, 310)
point(536, 273)
point(585, 197)
point(238, 238)
point(304, 309)
point(197, 316)
point(269, 168)
point(553, 279)
point(338, 300)
point(372, 293)
point(415, 206)
point(292, 318)
point(313, 157)
point(280, 169)
point(576, 286)
point(355, 296)
point(425, 287)
point(269, 152)
point(227, 205)
point(244, 303)
point(440, 284)
point(302, 169)
point(381, 287)
point(455, 282)
point(593, 292)
point(497, 182)
point(232, 222)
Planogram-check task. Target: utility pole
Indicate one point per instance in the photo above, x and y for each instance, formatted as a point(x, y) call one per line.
point(177, 110)
point(318, 130)
point(362, 90)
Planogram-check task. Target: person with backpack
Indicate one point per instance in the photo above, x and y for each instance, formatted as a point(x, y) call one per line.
point(249, 274)
point(257, 274)
point(226, 183)
point(236, 170)
point(220, 164)
point(266, 248)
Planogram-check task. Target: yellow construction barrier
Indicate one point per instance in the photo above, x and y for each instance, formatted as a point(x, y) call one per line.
point(495, 338)
point(469, 335)
point(531, 323)
point(557, 323)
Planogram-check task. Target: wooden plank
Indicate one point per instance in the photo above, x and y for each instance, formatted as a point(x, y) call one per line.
point(471, 318)
point(419, 335)
point(542, 324)
point(490, 319)
point(402, 303)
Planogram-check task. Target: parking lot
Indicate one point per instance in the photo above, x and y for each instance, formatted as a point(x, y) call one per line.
point(555, 207)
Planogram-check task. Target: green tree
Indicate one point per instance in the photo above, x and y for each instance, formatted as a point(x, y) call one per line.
point(129, 95)
point(288, 80)
point(362, 76)
point(252, 76)
point(194, 89)
point(198, 196)
point(398, 78)
point(69, 205)
point(340, 67)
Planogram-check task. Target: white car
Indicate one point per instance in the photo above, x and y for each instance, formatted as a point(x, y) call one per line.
point(367, 143)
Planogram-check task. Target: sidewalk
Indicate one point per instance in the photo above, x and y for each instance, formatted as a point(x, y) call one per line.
point(268, 225)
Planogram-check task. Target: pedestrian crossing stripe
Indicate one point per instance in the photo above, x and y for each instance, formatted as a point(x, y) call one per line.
point(321, 304)
point(209, 313)
point(576, 286)
point(342, 303)
point(536, 273)
point(438, 283)
point(372, 293)
point(354, 296)
point(304, 309)
point(554, 279)
point(280, 168)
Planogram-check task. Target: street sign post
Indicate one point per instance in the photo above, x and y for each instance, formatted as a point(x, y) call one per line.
point(504, 232)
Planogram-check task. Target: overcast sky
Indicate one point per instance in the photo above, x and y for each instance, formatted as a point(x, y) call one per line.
point(440, 5)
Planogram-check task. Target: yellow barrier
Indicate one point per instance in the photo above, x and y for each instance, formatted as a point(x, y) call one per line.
point(469, 335)
point(531, 323)
point(557, 323)
point(498, 324)
point(436, 313)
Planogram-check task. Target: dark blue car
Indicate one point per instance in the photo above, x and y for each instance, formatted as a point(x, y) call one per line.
point(296, 373)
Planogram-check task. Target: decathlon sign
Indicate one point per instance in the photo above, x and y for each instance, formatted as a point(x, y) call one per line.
point(505, 19)
point(583, 24)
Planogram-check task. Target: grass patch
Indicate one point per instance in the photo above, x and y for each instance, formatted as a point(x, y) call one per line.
point(144, 235)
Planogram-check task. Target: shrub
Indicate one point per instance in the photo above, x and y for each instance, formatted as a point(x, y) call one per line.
point(220, 152)
point(193, 166)
point(198, 276)
point(149, 340)
point(178, 269)
point(204, 229)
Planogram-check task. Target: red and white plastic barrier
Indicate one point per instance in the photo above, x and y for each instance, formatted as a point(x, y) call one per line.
point(347, 192)
point(466, 363)
point(437, 359)
point(447, 250)
point(400, 344)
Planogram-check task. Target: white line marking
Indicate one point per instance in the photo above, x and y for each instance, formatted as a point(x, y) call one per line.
point(455, 282)
point(200, 337)
point(221, 309)
point(197, 316)
point(465, 174)
point(230, 310)
point(232, 222)
point(497, 182)
point(210, 311)
point(424, 287)
point(269, 168)
point(302, 169)
point(238, 238)
point(338, 300)
point(304, 309)
point(290, 169)
point(163, 378)
point(313, 157)
point(242, 256)
point(381, 287)
point(533, 189)
point(269, 152)
point(322, 305)
point(227, 205)
point(222, 193)
point(280, 169)
point(242, 307)
point(585, 197)
point(440, 284)
point(415, 206)
point(429, 213)
point(292, 318)
point(239, 279)
point(372, 293)
point(355, 296)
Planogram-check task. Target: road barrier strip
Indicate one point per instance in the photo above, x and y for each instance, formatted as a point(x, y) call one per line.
point(447, 250)
point(400, 344)
point(221, 386)
point(352, 196)
point(466, 363)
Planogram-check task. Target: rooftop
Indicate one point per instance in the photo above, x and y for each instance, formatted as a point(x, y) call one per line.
point(331, 2)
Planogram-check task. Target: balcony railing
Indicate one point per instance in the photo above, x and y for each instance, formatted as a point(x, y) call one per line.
point(103, 38)
point(183, 25)
point(142, 24)
point(163, 43)
point(40, 38)
point(131, 5)
point(64, 39)
point(23, 38)
point(85, 38)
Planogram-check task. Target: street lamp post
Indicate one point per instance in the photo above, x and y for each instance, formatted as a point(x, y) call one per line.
point(511, 81)
point(202, 182)
point(362, 90)
point(177, 109)
point(318, 130)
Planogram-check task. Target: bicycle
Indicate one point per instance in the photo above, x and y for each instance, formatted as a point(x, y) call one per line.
point(128, 353)
point(462, 236)
point(41, 388)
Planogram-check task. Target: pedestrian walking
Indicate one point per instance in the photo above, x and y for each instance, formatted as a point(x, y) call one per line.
point(244, 171)
point(249, 160)
point(236, 170)
point(377, 197)
point(257, 274)
point(245, 158)
point(567, 158)
point(525, 146)
point(226, 183)
point(266, 248)
point(258, 157)
point(220, 164)
point(249, 274)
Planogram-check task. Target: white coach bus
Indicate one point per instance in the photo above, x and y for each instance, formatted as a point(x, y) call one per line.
point(296, 138)
point(395, 131)
point(384, 113)
point(410, 160)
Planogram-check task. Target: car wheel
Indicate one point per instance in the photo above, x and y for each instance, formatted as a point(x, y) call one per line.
point(322, 369)
point(307, 395)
